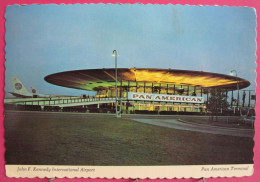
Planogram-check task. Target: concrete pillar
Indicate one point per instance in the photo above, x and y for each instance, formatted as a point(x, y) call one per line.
point(162, 106)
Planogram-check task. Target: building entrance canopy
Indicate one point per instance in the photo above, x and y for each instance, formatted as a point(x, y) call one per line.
point(104, 79)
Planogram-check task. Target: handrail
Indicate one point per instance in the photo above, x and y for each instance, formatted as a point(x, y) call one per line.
point(65, 101)
point(59, 101)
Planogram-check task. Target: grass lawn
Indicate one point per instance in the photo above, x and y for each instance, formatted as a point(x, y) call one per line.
point(81, 139)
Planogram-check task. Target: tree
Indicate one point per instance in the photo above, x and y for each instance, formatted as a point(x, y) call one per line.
point(217, 102)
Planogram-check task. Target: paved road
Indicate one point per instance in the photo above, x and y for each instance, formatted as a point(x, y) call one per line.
point(176, 124)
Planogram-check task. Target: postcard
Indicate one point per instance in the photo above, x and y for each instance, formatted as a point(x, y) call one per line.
point(129, 91)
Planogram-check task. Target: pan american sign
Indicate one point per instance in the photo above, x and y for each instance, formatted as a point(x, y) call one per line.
point(164, 98)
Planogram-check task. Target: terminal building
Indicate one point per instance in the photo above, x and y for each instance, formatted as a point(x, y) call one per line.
point(149, 90)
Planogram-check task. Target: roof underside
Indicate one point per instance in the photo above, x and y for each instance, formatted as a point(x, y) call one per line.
point(91, 79)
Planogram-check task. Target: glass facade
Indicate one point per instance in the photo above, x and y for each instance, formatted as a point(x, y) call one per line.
point(244, 98)
point(157, 88)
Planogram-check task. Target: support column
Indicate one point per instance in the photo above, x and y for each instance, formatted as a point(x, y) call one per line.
point(207, 96)
point(249, 99)
point(231, 103)
point(121, 88)
point(244, 98)
point(121, 111)
point(163, 106)
point(237, 99)
point(128, 89)
point(226, 95)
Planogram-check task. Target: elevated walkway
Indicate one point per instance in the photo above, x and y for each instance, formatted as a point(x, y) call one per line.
point(60, 102)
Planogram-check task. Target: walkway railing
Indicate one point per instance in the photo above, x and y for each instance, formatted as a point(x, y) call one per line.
point(51, 101)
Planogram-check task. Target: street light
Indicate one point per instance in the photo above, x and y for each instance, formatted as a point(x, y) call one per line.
point(115, 54)
point(232, 73)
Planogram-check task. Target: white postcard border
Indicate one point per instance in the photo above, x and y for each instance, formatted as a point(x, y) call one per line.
point(152, 172)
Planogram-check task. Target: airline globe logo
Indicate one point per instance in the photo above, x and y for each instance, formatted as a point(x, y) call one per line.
point(165, 98)
point(18, 86)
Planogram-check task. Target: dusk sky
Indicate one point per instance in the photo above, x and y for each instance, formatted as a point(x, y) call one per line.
point(46, 39)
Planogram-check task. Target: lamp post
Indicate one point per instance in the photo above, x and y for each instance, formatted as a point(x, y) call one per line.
point(231, 72)
point(115, 54)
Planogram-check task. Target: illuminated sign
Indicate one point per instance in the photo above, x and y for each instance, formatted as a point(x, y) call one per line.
point(165, 98)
